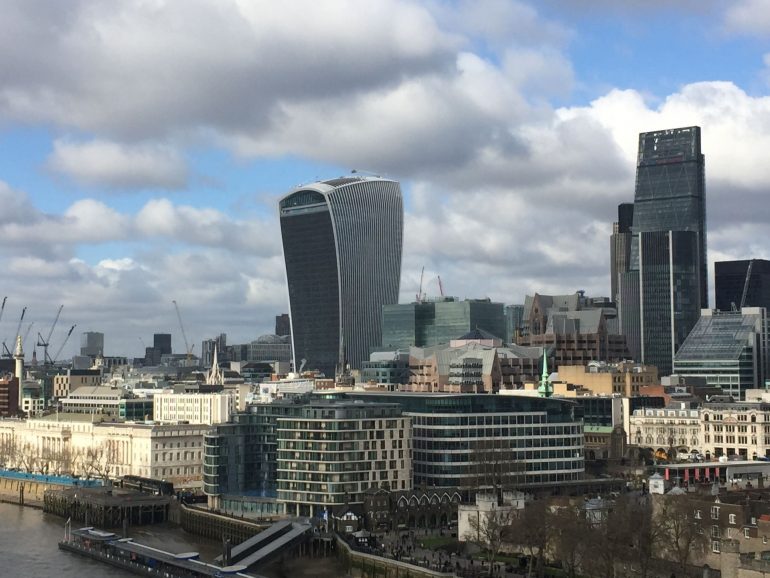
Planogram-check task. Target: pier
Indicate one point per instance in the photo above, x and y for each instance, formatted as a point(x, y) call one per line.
point(107, 507)
point(143, 560)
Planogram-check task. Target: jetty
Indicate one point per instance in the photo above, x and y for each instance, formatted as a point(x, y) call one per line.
point(143, 560)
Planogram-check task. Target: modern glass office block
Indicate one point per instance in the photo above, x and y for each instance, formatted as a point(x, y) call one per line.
point(342, 242)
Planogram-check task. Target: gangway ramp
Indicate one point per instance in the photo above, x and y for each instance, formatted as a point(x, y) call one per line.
point(268, 543)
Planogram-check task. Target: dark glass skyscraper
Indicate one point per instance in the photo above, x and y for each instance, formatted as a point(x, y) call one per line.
point(342, 242)
point(671, 189)
point(665, 284)
point(620, 247)
point(730, 284)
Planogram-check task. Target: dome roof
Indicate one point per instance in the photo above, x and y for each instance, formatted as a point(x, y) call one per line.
point(269, 339)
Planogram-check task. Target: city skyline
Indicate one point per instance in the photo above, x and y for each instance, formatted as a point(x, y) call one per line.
point(145, 148)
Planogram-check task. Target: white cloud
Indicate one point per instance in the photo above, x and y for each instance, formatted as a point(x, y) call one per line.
point(115, 166)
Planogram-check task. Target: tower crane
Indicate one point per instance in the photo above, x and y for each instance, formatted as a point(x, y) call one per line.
point(5, 348)
point(58, 351)
point(187, 348)
point(26, 333)
point(419, 290)
point(45, 342)
point(746, 284)
point(21, 319)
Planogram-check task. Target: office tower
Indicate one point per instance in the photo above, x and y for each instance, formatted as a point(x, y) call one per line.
point(733, 279)
point(514, 317)
point(430, 323)
point(92, 343)
point(729, 349)
point(665, 285)
point(282, 324)
point(671, 189)
point(161, 342)
point(208, 346)
point(342, 242)
point(620, 246)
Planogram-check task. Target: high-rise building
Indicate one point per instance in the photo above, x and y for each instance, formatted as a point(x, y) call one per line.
point(282, 324)
point(161, 342)
point(671, 189)
point(514, 317)
point(430, 323)
point(342, 242)
point(729, 349)
point(92, 343)
point(208, 346)
point(620, 246)
point(665, 285)
point(733, 279)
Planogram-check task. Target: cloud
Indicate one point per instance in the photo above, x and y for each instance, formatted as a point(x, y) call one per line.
point(748, 17)
point(142, 70)
point(110, 165)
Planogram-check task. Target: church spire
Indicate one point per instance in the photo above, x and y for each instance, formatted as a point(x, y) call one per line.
point(545, 389)
point(215, 376)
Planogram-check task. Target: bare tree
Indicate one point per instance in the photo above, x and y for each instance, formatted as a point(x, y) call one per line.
point(488, 530)
point(607, 542)
point(26, 457)
point(532, 531)
point(568, 537)
point(8, 444)
point(681, 532)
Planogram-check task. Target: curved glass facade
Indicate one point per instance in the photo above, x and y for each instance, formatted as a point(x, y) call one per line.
point(342, 243)
point(476, 441)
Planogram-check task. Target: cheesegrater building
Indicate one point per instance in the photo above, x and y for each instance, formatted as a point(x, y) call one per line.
point(342, 242)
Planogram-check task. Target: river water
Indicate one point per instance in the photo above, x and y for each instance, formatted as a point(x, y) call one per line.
point(28, 546)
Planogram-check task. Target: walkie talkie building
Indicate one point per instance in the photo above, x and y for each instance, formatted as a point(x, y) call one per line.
point(342, 242)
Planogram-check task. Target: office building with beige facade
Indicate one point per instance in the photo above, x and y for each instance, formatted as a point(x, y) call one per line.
point(197, 408)
point(85, 446)
point(624, 378)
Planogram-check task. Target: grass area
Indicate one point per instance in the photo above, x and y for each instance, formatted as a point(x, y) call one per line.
point(435, 542)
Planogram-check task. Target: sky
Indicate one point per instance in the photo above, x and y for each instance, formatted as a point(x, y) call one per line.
point(144, 145)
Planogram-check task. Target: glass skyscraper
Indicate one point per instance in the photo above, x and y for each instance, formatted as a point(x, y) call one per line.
point(729, 349)
point(671, 189)
point(732, 287)
point(665, 285)
point(430, 323)
point(342, 242)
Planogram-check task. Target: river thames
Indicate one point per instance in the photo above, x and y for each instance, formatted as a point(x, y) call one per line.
point(29, 547)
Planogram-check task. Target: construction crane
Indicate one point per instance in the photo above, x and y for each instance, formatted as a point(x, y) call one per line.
point(18, 327)
point(187, 348)
point(58, 351)
point(26, 334)
point(45, 342)
point(419, 290)
point(2, 308)
point(440, 286)
point(746, 284)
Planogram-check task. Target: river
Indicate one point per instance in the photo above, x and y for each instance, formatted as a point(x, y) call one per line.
point(29, 547)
